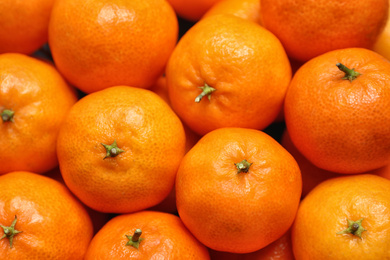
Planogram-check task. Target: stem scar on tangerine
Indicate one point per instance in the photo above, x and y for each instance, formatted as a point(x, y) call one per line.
point(206, 91)
point(112, 150)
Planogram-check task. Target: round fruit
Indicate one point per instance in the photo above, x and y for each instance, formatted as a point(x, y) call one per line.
point(337, 110)
point(34, 100)
point(145, 235)
point(344, 218)
point(104, 43)
point(227, 72)
point(24, 25)
point(40, 219)
point(119, 149)
point(308, 28)
point(238, 190)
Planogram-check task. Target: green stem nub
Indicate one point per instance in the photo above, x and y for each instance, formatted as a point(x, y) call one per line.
point(10, 232)
point(243, 166)
point(135, 239)
point(7, 115)
point(112, 150)
point(354, 228)
point(350, 74)
point(206, 91)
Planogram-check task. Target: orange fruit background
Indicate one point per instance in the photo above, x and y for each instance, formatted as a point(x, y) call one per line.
point(103, 129)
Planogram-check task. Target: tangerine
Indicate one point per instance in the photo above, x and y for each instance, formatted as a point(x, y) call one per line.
point(119, 149)
point(344, 218)
point(309, 28)
point(337, 110)
point(104, 43)
point(238, 190)
point(34, 100)
point(41, 219)
point(227, 72)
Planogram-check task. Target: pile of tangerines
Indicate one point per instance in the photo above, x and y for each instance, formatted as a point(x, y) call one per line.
point(187, 129)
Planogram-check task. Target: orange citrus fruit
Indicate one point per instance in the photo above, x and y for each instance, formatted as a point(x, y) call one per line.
point(337, 110)
point(344, 218)
point(145, 235)
point(119, 149)
point(40, 219)
point(308, 28)
point(104, 43)
point(24, 25)
point(238, 190)
point(34, 100)
point(227, 72)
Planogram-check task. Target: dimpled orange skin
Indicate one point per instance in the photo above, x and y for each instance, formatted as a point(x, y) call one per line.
point(341, 126)
point(325, 211)
point(103, 43)
point(244, 62)
point(164, 237)
point(308, 28)
point(169, 203)
point(24, 25)
point(40, 99)
point(148, 131)
point(245, 9)
point(54, 224)
point(231, 211)
point(311, 174)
